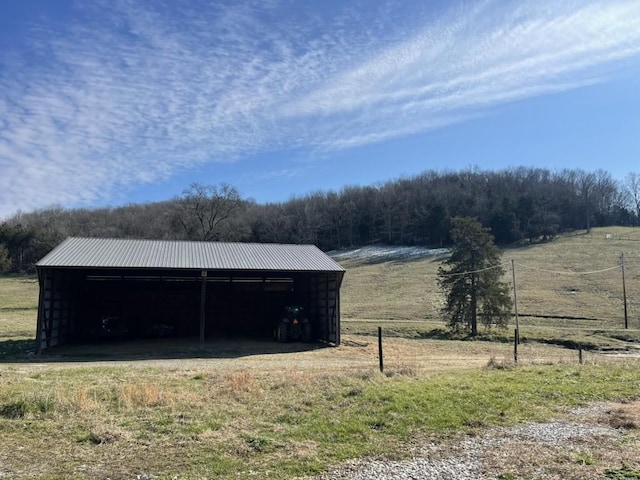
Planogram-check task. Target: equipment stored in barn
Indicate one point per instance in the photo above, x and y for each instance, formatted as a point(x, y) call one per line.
point(293, 326)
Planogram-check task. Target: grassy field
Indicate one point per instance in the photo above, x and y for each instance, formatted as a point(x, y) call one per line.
point(18, 307)
point(407, 290)
point(255, 410)
point(119, 422)
point(404, 298)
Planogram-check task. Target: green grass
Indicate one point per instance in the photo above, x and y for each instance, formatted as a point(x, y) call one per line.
point(243, 425)
point(622, 473)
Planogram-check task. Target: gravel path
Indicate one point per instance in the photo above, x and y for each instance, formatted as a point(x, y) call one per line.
point(495, 453)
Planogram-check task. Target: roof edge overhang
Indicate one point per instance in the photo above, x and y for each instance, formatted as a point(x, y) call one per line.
point(179, 255)
point(184, 270)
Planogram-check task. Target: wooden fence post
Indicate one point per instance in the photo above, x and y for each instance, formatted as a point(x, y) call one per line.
point(380, 349)
point(624, 293)
point(580, 358)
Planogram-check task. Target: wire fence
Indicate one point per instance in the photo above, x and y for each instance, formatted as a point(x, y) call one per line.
point(608, 294)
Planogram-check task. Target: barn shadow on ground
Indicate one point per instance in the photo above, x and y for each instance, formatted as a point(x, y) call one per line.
point(19, 351)
point(12, 349)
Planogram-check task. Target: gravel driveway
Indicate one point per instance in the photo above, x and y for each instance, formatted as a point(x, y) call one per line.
point(584, 445)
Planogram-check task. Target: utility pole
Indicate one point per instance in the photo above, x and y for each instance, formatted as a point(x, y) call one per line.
point(624, 293)
point(515, 301)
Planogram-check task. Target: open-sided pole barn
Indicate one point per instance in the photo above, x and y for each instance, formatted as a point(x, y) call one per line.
point(97, 288)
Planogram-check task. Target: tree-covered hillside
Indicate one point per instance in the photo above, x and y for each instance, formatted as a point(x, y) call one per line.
point(516, 204)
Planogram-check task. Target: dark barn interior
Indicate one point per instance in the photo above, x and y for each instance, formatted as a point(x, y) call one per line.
point(92, 303)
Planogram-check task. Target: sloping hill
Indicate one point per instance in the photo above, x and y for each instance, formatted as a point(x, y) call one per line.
point(574, 280)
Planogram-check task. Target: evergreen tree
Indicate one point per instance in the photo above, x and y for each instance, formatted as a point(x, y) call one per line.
point(471, 279)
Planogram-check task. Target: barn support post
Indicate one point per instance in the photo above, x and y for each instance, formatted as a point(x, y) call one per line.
point(203, 305)
point(339, 278)
point(327, 306)
point(41, 276)
point(50, 308)
point(336, 319)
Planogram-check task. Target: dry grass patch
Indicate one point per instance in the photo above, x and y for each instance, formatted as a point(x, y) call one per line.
point(394, 290)
point(408, 290)
point(625, 415)
point(18, 306)
point(141, 395)
point(241, 382)
point(85, 400)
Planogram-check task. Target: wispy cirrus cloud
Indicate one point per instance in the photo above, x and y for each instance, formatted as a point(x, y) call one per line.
point(126, 93)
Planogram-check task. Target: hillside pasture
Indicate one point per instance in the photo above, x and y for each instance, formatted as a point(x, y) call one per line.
point(259, 409)
point(569, 291)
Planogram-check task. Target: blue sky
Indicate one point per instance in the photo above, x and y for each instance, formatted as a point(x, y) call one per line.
point(118, 101)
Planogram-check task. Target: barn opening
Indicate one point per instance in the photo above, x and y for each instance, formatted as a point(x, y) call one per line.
point(112, 289)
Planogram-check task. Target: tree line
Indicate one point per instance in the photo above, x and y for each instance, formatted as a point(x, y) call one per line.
point(516, 204)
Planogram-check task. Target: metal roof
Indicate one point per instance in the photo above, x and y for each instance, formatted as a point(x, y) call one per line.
point(165, 254)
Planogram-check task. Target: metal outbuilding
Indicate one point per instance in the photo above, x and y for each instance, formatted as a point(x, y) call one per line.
point(104, 288)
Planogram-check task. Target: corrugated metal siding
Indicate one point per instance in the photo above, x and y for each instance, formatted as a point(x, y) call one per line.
point(124, 253)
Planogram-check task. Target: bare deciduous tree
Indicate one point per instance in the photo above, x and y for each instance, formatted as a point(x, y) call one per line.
point(632, 190)
point(203, 208)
